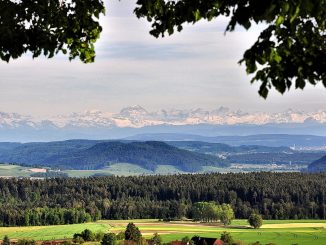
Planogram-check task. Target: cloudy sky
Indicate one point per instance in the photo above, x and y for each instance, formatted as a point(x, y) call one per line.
point(195, 68)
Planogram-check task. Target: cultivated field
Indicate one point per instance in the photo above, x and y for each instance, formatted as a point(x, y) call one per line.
point(127, 169)
point(311, 232)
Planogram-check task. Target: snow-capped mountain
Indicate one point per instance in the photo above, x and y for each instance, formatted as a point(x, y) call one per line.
point(135, 120)
point(14, 120)
point(138, 117)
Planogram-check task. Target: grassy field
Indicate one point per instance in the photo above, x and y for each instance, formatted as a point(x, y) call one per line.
point(50, 232)
point(120, 169)
point(284, 232)
point(13, 171)
point(127, 169)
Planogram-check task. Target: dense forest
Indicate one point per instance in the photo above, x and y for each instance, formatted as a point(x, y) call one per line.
point(274, 195)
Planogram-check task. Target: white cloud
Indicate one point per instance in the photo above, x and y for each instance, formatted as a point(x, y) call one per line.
point(195, 68)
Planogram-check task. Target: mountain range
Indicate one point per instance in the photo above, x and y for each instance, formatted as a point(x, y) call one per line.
point(134, 120)
point(137, 116)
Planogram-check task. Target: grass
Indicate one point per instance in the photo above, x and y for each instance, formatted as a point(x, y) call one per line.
point(127, 169)
point(284, 232)
point(120, 169)
point(7, 170)
point(50, 232)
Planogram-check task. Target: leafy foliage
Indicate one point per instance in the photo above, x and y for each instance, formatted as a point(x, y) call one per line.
point(291, 49)
point(227, 214)
point(6, 240)
point(132, 233)
point(109, 239)
point(255, 220)
point(227, 238)
point(48, 27)
point(88, 236)
point(156, 239)
point(211, 211)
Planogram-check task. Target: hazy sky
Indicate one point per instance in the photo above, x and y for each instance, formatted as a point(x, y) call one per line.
point(195, 68)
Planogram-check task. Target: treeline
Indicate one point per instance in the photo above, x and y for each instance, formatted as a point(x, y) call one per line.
point(44, 216)
point(274, 195)
point(50, 174)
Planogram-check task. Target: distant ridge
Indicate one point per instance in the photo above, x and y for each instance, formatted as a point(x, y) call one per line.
point(272, 140)
point(318, 165)
point(82, 154)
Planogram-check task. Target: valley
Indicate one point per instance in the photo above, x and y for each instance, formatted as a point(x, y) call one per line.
point(85, 158)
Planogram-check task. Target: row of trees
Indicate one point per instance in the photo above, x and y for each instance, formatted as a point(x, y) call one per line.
point(45, 216)
point(273, 195)
point(211, 211)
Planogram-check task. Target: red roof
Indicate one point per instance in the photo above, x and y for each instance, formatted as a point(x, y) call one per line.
point(176, 243)
point(218, 242)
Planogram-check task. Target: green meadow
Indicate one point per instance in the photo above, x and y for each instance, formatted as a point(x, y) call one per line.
point(126, 169)
point(7, 170)
point(285, 232)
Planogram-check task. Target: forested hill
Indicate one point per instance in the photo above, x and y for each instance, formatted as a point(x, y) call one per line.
point(95, 155)
point(214, 148)
point(318, 165)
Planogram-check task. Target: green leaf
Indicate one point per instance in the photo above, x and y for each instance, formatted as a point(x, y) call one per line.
point(263, 91)
point(300, 83)
point(279, 20)
point(296, 13)
point(197, 15)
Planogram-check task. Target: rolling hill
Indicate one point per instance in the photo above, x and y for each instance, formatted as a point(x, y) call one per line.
point(84, 154)
point(318, 165)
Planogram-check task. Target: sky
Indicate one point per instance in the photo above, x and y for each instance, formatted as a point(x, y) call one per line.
point(197, 68)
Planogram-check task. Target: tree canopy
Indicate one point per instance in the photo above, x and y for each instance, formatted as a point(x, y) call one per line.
point(109, 239)
point(255, 220)
point(48, 27)
point(133, 233)
point(290, 51)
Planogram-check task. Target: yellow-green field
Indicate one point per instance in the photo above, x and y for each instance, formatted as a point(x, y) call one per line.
point(311, 232)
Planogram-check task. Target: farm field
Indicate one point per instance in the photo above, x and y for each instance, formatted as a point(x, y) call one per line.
point(127, 169)
point(7, 170)
point(279, 232)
